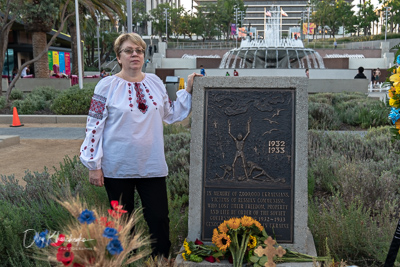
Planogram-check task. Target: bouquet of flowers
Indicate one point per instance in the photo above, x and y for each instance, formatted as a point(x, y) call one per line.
point(95, 238)
point(394, 101)
point(245, 239)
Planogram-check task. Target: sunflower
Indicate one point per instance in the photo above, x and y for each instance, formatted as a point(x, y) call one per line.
point(215, 235)
point(247, 221)
point(223, 228)
point(233, 223)
point(222, 241)
point(259, 226)
point(186, 246)
point(252, 242)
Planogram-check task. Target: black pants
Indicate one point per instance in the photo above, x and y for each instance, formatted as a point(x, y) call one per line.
point(153, 194)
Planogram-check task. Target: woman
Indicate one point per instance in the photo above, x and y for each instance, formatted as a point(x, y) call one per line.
point(124, 147)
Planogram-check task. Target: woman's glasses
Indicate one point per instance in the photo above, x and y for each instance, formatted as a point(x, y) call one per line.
point(129, 51)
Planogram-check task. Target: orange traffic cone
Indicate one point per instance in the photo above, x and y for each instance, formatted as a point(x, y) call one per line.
point(16, 122)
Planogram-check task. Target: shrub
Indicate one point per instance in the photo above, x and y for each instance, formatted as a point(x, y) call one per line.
point(48, 93)
point(3, 102)
point(322, 116)
point(16, 94)
point(74, 101)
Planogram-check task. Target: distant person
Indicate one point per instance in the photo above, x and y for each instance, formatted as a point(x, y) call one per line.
point(235, 73)
point(103, 73)
point(25, 71)
point(308, 73)
point(202, 70)
point(227, 74)
point(14, 72)
point(150, 49)
point(377, 75)
point(335, 44)
point(155, 49)
point(360, 74)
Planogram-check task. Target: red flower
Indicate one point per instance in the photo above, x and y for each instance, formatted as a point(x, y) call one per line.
point(210, 259)
point(103, 222)
point(65, 255)
point(60, 240)
point(117, 212)
point(198, 242)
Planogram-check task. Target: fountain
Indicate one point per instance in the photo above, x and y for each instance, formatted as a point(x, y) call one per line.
point(273, 51)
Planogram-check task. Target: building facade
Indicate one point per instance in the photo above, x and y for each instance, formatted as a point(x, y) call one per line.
point(296, 12)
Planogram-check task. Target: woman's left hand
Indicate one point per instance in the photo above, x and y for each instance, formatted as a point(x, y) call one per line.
point(190, 80)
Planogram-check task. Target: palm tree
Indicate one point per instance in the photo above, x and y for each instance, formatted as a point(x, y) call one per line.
point(110, 8)
point(39, 19)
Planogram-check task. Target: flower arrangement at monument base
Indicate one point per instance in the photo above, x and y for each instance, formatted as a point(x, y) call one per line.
point(394, 102)
point(243, 240)
point(95, 238)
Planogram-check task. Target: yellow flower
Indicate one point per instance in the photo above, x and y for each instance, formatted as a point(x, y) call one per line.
point(222, 241)
point(234, 223)
point(392, 91)
point(247, 221)
point(252, 242)
point(397, 124)
point(186, 246)
point(259, 226)
point(184, 256)
point(392, 102)
point(215, 235)
point(223, 228)
point(395, 78)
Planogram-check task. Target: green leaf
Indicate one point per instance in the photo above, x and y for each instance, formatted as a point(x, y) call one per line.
point(263, 260)
point(254, 259)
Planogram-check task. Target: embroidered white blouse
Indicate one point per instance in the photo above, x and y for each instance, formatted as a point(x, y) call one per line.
point(124, 130)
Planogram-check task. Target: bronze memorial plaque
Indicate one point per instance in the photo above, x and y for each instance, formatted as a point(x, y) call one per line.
point(249, 159)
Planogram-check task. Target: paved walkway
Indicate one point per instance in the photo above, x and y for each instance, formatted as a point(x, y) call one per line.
point(75, 133)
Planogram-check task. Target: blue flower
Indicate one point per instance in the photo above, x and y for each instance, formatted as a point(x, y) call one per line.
point(110, 232)
point(398, 59)
point(40, 239)
point(114, 247)
point(394, 115)
point(87, 216)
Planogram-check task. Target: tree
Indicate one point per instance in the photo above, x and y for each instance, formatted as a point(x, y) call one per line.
point(39, 17)
point(366, 15)
point(64, 18)
point(226, 14)
point(11, 12)
point(93, 8)
point(158, 19)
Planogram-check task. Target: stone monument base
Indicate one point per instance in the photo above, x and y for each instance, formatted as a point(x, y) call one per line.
point(309, 250)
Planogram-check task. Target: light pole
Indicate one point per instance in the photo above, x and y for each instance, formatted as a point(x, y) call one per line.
point(129, 15)
point(386, 11)
point(236, 17)
point(308, 25)
point(98, 41)
point(166, 25)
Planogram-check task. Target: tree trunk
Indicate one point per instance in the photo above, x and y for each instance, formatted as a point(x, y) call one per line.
point(74, 48)
point(39, 43)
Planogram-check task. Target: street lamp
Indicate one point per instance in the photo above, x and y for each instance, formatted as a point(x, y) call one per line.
point(166, 25)
point(236, 17)
point(98, 40)
point(129, 15)
point(386, 11)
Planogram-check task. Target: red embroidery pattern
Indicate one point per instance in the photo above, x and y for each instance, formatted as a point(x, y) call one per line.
point(97, 106)
point(150, 96)
point(140, 99)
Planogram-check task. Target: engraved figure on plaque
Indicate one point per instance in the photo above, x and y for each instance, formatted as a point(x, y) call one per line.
point(239, 142)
